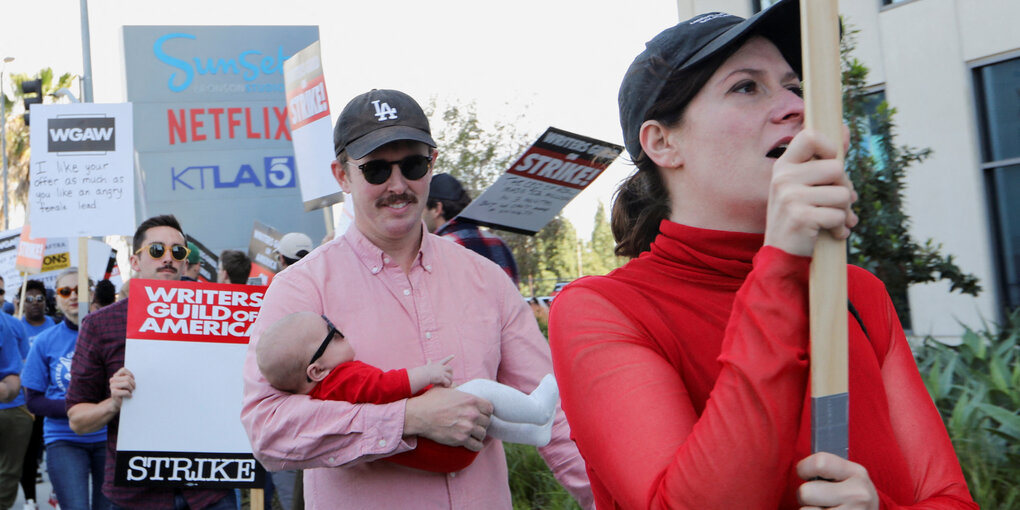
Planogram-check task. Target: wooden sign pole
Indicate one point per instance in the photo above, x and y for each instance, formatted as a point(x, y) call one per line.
point(828, 302)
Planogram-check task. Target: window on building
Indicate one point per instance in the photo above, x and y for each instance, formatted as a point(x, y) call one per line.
point(998, 97)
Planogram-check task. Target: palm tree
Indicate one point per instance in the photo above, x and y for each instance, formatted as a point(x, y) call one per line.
point(18, 152)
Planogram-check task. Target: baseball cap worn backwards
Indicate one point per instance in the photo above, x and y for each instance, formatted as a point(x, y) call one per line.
point(690, 43)
point(377, 118)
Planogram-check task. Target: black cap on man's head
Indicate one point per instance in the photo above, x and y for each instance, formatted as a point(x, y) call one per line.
point(377, 118)
point(691, 42)
point(445, 187)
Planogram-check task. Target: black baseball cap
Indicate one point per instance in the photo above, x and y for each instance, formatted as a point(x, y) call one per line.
point(445, 187)
point(377, 118)
point(691, 42)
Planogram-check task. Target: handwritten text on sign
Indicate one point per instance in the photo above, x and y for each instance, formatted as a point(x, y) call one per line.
point(82, 170)
point(541, 182)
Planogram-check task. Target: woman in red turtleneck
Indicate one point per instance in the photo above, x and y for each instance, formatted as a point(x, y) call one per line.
point(684, 374)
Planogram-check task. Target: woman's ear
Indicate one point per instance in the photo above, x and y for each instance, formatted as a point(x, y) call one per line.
point(659, 145)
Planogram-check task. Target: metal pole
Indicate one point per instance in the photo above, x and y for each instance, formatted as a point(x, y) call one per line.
point(3, 134)
point(86, 53)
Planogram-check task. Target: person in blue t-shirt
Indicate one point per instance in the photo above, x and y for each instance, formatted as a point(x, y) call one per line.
point(71, 458)
point(34, 315)
point(15, 422)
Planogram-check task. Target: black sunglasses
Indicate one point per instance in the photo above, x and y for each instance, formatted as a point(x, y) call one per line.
point(378, 171)
point(325, 341)
point(158, 249)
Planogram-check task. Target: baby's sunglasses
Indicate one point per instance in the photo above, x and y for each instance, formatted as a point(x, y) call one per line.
point(378, 171)
point(158, 249)
point(330, 331)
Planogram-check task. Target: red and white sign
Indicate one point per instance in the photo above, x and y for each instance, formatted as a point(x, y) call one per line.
point(308, 114)
point(186, 344)
point(30, 252)
point(541, 182)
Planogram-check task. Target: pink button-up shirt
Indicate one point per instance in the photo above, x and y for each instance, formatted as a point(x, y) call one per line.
point(452, 301)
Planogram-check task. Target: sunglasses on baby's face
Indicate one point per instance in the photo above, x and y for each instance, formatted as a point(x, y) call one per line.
point(378, 171)
point(330, 331)
point(157, 250)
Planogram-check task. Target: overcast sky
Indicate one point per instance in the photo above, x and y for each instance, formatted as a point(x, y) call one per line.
point(561, 60)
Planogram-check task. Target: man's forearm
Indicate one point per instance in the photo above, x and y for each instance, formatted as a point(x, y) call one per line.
point(9, 388)
point(87, 417)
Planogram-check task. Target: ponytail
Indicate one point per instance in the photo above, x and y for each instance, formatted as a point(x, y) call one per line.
point(640, 205)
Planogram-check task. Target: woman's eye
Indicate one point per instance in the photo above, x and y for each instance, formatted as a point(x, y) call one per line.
point(796, 89)
point(745, 87)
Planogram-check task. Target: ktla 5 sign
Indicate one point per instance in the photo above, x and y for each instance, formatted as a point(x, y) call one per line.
point(278, 173)
point(81, 134)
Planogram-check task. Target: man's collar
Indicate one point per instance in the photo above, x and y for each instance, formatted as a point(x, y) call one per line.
point(375, 259)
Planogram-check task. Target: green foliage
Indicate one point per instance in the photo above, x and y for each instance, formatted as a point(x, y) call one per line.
point(881, 242)
point(532, 485)
point(976, 387)
point(598, 257)
point(473, 151)
point(18, 151)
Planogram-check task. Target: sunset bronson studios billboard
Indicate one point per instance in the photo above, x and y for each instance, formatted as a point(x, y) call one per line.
point(211, 128)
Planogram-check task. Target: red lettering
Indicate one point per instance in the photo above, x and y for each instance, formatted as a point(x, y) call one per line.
point(178, 126)
point(247, 124)
point(195, 124)
point(231, 122)
point(281, 123)
point(265, 120)
point(216, 119)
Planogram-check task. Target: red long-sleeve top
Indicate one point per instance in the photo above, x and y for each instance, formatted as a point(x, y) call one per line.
point(684, 375)
point(361, 383)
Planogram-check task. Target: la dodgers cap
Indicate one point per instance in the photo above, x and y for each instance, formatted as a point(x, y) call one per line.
point(377, 118)
point(691, 42)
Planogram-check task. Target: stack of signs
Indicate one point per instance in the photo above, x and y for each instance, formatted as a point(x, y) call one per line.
point(49, 257)
point(541, 183)
point(310, 127)
point(208, 261)
point(82, 170)
point(262, 250)
point(186, 344)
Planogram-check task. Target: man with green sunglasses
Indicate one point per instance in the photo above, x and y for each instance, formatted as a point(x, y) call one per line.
point(402, 297)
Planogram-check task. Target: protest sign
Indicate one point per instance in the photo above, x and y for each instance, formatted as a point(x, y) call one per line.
point(541, 182)
point(57, 255)
point(310, 128)
point(30, 252)
point(209, 261)
point(186, 344)
point(82, 176)
point(262, 250)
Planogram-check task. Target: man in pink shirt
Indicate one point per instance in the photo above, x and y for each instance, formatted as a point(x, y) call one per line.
point(401, 296)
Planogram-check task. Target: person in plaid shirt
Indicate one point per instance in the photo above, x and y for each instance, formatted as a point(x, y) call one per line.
point(447, 199)
point(100, 382)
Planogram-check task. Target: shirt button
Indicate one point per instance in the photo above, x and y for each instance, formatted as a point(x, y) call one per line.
point(375, 270)
point(407, 292)
point(428, 334)
point(382, 442)
point(332, 460)
point(453, 475)
point(428, 267)
point(386, 260)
